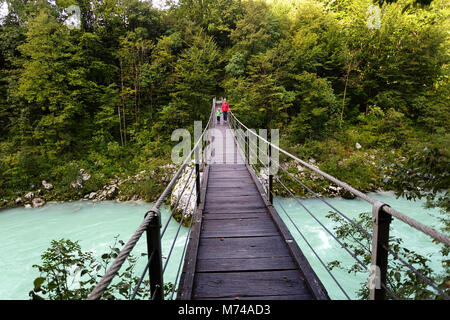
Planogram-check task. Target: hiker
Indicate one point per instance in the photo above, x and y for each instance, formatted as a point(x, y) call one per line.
point(225, 109)
point(218, 114)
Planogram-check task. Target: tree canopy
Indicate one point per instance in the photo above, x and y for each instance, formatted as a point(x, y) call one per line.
point(112, 88)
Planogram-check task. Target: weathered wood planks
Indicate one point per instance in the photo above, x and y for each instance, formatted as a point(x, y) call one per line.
point(242, 249)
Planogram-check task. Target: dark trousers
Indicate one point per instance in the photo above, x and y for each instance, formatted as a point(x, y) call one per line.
point(218, 118)
point(225, 114)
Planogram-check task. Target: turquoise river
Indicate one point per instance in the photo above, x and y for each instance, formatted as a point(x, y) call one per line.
point(26, 233)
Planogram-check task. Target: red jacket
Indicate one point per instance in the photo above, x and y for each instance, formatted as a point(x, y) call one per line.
point(225, 107)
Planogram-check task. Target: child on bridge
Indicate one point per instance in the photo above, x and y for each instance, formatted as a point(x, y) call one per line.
point(218, 113)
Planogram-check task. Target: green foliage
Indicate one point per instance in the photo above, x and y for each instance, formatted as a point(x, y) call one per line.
point(68, 273)
point(403, 282)
point(256, 30)
point(425, 173)
point(236, 65)
point(315, 108)
point(106, 97)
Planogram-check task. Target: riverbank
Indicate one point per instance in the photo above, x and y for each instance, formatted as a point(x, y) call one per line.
point(145, 185)
point(82, 220)
point(363, 168)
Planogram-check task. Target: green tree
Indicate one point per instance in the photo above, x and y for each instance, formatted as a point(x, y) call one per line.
point(52, 82)
point(68, 273)
point(195, 77)
point(315, 108)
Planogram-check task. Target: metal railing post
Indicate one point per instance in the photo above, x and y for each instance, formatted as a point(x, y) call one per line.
point(197, 174)
point(197, 182)
point(247, 148)
point(154, 247)
point(270, 175)
point(380, 242)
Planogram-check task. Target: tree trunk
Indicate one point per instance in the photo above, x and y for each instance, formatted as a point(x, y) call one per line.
point(123, 105)
point(345, 92)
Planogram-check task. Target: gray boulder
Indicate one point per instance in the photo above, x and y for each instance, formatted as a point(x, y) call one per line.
point(38, 202)
point(29, 195)
point(47, 186)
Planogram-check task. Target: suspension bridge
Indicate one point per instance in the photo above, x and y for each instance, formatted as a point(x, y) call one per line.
point(237, 246)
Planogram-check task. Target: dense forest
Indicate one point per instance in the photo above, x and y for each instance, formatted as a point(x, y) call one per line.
point(365, 96)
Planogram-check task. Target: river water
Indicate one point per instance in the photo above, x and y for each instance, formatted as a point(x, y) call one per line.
point(26, 233)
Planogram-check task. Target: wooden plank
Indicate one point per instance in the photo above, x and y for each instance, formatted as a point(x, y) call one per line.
point(223, 196)
point(226, 216)
point(238, 173)
point(186, 282)
point(231, 169)
point(238, 234)
point(237, 226)
point(236, 168)
point(232, 175)
point(312, 281)
point(246, 264)
point(244, 247)
point(227, 207)
point(217, 200)
point(231, 184)
point(235, 189)
point(242, 284)
point(225, 180)
point(214, 210)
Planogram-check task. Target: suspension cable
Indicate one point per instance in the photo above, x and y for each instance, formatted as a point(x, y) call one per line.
point(182, 256)
point(323, 226)
point(418, 273)
point(126, 250)
point(179, 227)
point(317, 196)
point(413, 223)
point(178, 200)
point(309, 245)
point(142, 276)
point(367, 234)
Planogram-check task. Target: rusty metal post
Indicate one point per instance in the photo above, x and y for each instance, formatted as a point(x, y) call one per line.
point(154, 247)
point(247, 148)
point(380, 241)
point(197, 182)
point(270, 175)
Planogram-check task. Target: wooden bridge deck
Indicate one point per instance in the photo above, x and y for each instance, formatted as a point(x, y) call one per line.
point(239, 247)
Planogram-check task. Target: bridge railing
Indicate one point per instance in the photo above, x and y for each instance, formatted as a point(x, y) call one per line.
point(382, 214)
point(152, 226)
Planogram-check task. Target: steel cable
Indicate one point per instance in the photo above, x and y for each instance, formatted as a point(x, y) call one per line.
point(176, 204)
point(317, 196)
point(419, 274)
point(179, 227)
point(317, 256)
point(123, 254)
point(182, 256)
point(142, 276)
point(413, 223)
point(324, 227)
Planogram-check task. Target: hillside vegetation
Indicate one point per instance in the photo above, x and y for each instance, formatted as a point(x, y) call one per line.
point(365, 99)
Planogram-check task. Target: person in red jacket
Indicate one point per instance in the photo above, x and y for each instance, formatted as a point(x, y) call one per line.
point(225, 109)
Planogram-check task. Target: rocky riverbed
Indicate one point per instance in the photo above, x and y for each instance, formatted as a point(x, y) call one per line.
point(119, 189)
